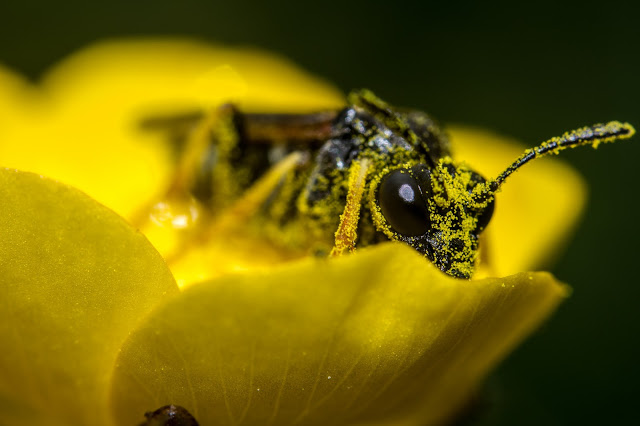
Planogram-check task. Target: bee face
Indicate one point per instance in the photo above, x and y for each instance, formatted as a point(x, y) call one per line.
point(438, 211)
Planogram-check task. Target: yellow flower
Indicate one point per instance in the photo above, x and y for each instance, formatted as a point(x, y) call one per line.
point(95, 329)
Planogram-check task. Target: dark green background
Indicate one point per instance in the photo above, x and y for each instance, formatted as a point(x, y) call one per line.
point(526, 72)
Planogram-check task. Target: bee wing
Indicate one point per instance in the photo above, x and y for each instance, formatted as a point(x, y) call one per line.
point(305, 130)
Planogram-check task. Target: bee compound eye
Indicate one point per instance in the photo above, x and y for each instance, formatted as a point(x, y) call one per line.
point(403, 204)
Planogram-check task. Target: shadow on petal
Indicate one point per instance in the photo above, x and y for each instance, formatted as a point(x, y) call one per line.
point(376, 337)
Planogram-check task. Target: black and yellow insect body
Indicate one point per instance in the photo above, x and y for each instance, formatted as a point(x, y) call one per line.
point(411, 190)
point(332, 181)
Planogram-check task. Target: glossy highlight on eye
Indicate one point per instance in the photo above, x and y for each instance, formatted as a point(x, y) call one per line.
point(402, 204)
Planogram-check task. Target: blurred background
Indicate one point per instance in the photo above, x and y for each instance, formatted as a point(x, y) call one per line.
point(525, 72)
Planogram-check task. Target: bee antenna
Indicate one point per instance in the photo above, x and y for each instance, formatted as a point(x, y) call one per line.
point(590, 135)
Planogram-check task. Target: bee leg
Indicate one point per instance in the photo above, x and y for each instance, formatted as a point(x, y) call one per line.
point(195, 133)
point(346, 234)
point(243, 208)
point(219, 126)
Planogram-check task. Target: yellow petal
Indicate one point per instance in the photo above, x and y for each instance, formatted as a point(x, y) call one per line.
point(74, 281)
point(17, 96)
point(128, 76)
point(536, 208)
point(83, 128)
point(378, 337)
point(226, 254)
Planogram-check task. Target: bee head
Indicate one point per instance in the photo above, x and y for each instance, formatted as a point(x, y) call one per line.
point(441, 209)
point(438, 211)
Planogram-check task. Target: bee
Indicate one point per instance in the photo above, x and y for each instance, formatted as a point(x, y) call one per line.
point(336, 180)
